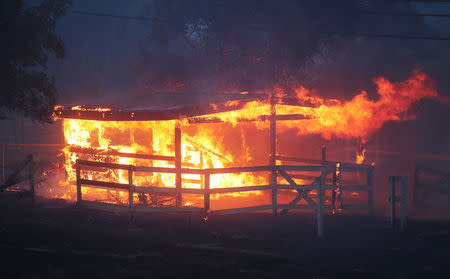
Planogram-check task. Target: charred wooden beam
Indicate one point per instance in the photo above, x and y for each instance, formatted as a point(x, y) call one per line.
point(346, 166)
point(15, 178)
point(178, 172)
point(179, 112)
point(104, 184)
point(93, 151)
point(282, 117)
point(104, 165)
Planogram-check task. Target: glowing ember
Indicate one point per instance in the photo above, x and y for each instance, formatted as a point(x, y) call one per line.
point(360, 157)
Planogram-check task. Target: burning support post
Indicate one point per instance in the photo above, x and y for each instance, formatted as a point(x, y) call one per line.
point(206, 197)
point(130, 189)
point(273, 153)
point(77, 170)
point(178, 164)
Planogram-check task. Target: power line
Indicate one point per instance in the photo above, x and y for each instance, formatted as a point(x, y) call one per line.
point(116, 16)
point(401, 14)
point(375, 35)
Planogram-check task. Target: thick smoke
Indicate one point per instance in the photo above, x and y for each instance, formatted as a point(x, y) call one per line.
point(232, 46)
point(220, 46)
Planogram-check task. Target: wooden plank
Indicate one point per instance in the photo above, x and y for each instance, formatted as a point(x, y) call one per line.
point(279, 117)
point(167, 190)
point(241, 209)
point(130, 188)
point(169, 170)
point(154, 189)
point(301, 193)
point(180, 112)
point(178, 173)
point(77, 171)
point(206, 197)
point(13, 179)
point(77, 149)
point(239, 169)
point(171, 209)
point(304, 160)
point(101, 205)
point(104, 184)
point(273, 152)
point(303, 187)
point(154, 169)
point(305, 168)
point(191, 181)
point(352, 167)
point(240, 189)
point(104, 165)
point(31, 177)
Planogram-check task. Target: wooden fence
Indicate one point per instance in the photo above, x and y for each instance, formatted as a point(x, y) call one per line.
point(302, 190)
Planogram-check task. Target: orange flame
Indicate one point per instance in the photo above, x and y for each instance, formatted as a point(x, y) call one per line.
point(361, 117)
point(361, 156)
point(204, 145)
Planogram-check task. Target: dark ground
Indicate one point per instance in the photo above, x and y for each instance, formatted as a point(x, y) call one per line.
point(52, 239)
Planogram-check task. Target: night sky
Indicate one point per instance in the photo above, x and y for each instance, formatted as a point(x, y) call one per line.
point(102, 51)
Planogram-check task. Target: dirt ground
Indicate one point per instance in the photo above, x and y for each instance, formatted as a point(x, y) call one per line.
point(53, 239)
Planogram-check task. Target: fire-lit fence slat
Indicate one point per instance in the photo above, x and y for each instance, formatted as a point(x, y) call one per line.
point(104, 184)
point(205, 174)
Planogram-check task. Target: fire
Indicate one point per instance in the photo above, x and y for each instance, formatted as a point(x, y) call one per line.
point(361, 117)
point(201, 148)
point(361, 156)
point(358, 118)
point(205, 146)
point(90, 109)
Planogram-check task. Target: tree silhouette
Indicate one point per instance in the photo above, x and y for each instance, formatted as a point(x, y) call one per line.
point(27, 39)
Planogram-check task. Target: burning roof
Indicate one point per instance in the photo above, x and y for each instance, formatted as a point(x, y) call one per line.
point(156, 107)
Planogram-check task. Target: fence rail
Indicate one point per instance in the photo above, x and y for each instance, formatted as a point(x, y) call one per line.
point(279, 170)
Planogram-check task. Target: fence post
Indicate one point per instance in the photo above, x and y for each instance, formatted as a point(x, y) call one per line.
point(324, 154)
point(130, 188)
point(3, 162)
point(77, 170)
point(370, 190)
point(392, 201)
point(273, 152)
point(178, 165)
point(319, 210)
point(403, 205)
point(31, 177)
point(206, 196)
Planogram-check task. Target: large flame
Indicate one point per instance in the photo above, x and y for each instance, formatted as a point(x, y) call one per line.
point(361, 117)
point(217, 145)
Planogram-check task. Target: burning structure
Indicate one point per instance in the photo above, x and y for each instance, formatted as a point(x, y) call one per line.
point(225, 149)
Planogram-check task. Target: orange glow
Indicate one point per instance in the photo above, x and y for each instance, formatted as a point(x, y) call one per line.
point(360, 157)
point(90, 109)
point(205, 145)
point(361, 117)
